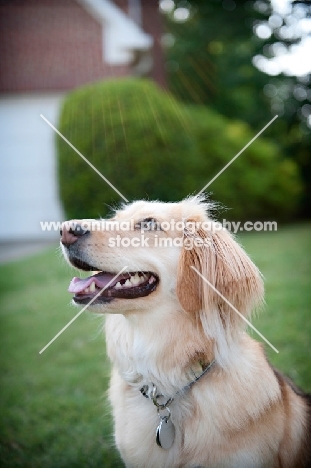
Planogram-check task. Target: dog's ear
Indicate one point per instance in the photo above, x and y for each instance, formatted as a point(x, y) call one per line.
point(225, 266)
point(189, 285)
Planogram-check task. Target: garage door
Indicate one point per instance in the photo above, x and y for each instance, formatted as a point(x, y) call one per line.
point(28, 183)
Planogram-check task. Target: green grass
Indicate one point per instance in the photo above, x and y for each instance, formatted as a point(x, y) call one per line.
point(284, 258)
point(53, 406)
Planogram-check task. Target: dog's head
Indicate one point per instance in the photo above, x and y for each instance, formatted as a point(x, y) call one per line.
point(175, 257)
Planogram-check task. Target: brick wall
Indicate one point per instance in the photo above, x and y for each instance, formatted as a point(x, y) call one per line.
point(152, 24)
point(50, 45)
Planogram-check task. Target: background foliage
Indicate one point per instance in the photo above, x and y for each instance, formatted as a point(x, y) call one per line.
point(220, 53)
point(149, 145)
point(210, 59)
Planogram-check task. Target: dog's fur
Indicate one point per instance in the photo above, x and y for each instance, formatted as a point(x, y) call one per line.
point(243, 413)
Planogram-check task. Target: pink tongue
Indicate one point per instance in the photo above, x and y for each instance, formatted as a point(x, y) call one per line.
point(101, 280)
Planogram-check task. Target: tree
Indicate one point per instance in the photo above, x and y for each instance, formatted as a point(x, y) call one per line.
point(210, 60)
point(286, 32)
point(223, 53)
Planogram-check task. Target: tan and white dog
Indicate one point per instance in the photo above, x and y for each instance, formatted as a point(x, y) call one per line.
point(189, 387)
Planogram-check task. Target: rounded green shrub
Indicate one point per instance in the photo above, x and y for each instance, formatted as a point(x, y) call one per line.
point(148, 145)
point(134, 134)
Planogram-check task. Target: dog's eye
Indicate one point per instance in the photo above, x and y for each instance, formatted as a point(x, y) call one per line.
point(148, 224)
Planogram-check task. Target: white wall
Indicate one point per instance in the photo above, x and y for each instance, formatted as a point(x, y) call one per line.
point(28, 184)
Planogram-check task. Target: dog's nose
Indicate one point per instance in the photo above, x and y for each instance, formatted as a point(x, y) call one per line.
point(71, 235)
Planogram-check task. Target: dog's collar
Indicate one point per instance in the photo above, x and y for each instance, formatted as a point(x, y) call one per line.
point(165, 434)
point(151, 391)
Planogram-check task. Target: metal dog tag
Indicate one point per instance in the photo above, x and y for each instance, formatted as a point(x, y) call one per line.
point(165, 433)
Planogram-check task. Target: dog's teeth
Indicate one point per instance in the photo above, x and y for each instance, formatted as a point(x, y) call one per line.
point(87, 290)
point(92, 287)
point(135, 279)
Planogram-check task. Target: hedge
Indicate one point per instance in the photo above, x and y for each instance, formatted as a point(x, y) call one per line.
point(259, 184)
point(149, 145)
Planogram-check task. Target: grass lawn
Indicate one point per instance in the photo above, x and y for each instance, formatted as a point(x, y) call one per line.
point(53, 406)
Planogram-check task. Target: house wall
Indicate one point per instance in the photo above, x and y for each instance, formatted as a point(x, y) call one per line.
point(152, 24)
point(50, 45)
point(47, 47)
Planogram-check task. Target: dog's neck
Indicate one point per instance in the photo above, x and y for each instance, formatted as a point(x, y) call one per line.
point(146, 352)
point(153, 393)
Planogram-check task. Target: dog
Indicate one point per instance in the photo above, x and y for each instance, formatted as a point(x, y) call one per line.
point(189, 387)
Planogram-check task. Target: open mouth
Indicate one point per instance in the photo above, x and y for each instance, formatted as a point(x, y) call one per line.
point(130, 285)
